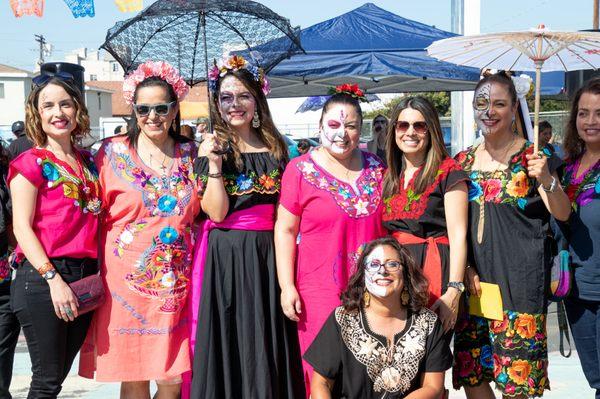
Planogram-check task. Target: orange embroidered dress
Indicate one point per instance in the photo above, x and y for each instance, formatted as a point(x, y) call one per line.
point(141, 332)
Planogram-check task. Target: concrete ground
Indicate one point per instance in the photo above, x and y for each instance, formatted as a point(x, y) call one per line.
point(566, 378)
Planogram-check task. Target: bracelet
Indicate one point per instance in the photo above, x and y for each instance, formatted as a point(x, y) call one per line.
point(45, 268)
point(552, 186)
point(215, 175)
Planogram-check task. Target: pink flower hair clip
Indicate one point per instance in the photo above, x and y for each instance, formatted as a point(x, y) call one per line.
point(160, 69)
point(235, 63)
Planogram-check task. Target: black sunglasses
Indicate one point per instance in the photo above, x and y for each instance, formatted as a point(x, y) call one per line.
point(45, 76)
point(159, 109)
point(419, 127)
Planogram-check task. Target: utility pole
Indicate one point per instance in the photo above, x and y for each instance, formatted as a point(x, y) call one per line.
point(42, 41)
point(596, 6)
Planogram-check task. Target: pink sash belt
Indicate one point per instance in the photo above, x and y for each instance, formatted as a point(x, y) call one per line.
point(256, 218)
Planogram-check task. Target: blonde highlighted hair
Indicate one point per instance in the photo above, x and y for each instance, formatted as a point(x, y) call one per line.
point(33, 121)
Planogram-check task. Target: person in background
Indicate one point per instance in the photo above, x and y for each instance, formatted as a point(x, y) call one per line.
point(22, 143)
point(303, 146)
point(379, 129)
point(9, 325)
point(56, 203)
point(382, 342)
point(581, 181)
point(331, 196)
point(512, 193)
point(244, 346)
point(187, 131)
point(545, 136)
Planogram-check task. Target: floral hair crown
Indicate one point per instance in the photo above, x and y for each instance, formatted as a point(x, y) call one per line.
point(235, 63)
point(351, 90)
point(160, 69)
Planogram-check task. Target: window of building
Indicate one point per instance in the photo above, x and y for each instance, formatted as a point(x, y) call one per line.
point(115, 67)
point(1, 90)
point(93, 77)
point(100, 101)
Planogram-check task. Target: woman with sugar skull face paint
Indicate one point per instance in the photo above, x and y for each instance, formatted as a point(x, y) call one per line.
point(382, 342)
point(330, 205)
point(512, 193)
point(244, 346)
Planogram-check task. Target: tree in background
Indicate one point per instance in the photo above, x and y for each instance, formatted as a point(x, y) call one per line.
point(439, 99)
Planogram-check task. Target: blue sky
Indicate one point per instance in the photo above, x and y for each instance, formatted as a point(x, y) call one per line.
point(66, 33)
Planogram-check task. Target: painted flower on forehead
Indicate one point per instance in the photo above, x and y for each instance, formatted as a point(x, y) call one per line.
point(160, 69)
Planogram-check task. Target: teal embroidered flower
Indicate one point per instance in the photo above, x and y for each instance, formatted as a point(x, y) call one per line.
point(49, 171)
point(243, 182)
point(167, 203)
point(521, 203)
point(475, 190)
point(168, 235)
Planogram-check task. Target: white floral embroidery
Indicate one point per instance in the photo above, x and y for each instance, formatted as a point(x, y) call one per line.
point(393, 368)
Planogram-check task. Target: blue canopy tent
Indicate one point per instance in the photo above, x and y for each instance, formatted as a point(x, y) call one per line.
point(379, 50)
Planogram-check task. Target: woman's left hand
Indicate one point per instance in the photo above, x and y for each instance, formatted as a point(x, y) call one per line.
point(447, 308)
point(537, 167)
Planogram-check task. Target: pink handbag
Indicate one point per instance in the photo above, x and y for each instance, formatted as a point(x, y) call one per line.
point(89, 292)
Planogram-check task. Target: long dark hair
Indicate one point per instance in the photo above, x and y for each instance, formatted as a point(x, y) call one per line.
point(267, 132)
point(573, 144)
point(414, 281)
point(436, 150)
point(133, 130)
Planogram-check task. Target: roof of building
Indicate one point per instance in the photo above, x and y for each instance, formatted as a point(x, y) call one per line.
point(7, 69)
point(120, 108)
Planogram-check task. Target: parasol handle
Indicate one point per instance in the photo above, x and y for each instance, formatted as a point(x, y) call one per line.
point(536, 109)
point(538, 80)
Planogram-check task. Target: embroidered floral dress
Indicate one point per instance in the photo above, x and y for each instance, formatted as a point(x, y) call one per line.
point(584, 228)
point(424, 217)
point(140, 332)
point(336, 219)
point(364, 365)
point(245, 346)
point(514, 253)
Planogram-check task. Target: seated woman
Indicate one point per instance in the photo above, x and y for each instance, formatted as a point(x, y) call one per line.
point(382, 340)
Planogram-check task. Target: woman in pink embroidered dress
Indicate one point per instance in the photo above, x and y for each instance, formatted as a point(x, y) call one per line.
point(330, 206)
point(150, 196)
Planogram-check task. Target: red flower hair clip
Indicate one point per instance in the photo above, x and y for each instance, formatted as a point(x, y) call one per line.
point(351, 90)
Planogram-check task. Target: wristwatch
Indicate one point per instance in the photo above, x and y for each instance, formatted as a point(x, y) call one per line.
point(49, 275)
point(552, 187)
point(457, 285)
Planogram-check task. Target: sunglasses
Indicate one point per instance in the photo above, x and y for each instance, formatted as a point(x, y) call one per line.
point(419, 127)
point(45, 76)
point(159, 109)
point(391, 266)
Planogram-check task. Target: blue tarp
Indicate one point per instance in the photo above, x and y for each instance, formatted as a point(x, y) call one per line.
point(379, 50)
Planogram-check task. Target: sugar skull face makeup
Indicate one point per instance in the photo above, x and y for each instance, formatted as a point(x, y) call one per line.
point(482, 106)
point(382, 272)
point(333, 132)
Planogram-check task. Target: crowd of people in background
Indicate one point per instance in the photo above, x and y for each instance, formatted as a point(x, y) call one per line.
point(230, 270)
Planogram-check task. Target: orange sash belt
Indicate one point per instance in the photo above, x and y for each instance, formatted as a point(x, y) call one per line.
point(432, 268)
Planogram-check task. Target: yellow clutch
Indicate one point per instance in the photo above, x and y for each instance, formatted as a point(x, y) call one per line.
point(489, 304)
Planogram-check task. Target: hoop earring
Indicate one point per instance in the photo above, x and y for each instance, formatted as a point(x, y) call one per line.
point(256, 120)
point(366, 298)
point(404, 297)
